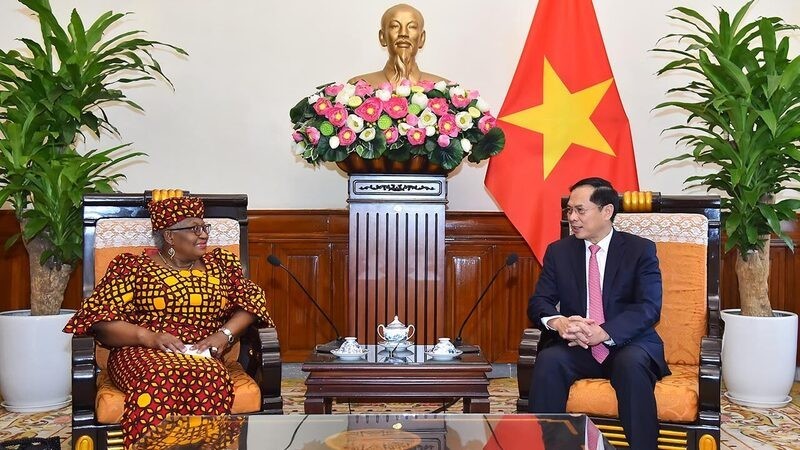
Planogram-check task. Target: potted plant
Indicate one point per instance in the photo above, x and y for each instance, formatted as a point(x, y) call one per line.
point(743, 105)
point(49, 96)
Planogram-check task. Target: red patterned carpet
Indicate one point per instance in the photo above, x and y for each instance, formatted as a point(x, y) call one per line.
point(742, 428)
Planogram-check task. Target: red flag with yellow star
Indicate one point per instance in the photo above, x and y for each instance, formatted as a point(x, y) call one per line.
point(563, 120)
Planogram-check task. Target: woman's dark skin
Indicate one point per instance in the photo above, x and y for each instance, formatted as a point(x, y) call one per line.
point(189, 249)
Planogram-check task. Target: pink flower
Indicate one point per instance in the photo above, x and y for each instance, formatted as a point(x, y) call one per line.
point(346, 136)
point(370, 110)
point(391, 135)
point(337, 115)
point(333, 89)
point(460, 101)
point(448, 126)
point(416, 136)
point(412, 120)
point(486, 123)
point(438, 105)
point(297, 137)
point(322, 105)
point(396, 107)
point(363, 88)
point(386, 86)
point(313, 135)
point(426, 85)
point(443, 140)
point(473, 94)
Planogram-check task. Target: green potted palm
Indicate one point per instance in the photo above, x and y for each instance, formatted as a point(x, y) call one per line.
point(743, 127)
point(50, 95)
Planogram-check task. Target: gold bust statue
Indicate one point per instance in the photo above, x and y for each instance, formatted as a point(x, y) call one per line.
point(403, 34)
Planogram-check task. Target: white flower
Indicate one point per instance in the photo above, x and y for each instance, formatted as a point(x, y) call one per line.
point(464, 120)
point(355, 123)
point(367, 135)
point(403, 128)
point(299, 147)
point(440, 85)
point(481, 104)
point(419, 99)
point(334, 141)
point(430, 131)
point(457, 91)
point(344, 95)
point(427, 118)
point(313, 99)
point(403, 90)
point(383, 94)
point(466, 144)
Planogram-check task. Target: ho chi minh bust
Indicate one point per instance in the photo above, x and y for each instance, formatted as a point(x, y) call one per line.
point(403, 34)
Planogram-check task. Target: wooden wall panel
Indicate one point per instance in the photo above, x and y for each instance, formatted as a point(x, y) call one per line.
point(468, 268)
point(314, 245)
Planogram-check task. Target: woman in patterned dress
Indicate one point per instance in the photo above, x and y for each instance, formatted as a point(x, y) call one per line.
point(148, 308)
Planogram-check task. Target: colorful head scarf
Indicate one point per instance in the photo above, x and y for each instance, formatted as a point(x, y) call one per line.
point(169, 211)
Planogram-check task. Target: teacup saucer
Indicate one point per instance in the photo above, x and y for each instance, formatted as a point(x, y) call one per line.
point(346, 356)
point(389, 345)
point(444, 356)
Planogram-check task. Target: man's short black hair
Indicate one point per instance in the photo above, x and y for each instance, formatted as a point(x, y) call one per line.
point(604, 193)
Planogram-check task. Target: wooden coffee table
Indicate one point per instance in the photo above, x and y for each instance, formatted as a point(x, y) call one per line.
point(408, 376)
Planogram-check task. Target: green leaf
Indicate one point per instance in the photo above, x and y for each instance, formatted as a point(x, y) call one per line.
point(448, 157)
point(491, 144)
point(300, 111)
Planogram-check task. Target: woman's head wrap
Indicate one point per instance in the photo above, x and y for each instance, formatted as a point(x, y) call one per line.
point(166, 212)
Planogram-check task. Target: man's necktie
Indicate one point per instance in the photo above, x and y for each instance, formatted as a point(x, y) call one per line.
point(599, 351)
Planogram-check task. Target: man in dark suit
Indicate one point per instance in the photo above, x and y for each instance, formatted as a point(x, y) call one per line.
point(608, 285)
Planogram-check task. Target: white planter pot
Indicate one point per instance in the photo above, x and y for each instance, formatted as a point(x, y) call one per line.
point(35, 368)
point(758, 358)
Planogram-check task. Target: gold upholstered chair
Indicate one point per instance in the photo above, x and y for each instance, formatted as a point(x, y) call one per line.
point(117, 223)
point(686, 230)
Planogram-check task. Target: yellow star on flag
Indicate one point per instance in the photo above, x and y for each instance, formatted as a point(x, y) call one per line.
point(563, 118)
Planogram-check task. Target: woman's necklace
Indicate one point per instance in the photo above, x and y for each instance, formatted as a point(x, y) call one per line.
point(173, 265)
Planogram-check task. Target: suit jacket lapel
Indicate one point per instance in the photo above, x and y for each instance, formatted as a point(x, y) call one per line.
point(616, 250)
point(579, 269)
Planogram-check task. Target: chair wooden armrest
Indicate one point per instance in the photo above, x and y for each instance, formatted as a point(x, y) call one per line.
point(261, 358)
point(710, 362)
point(528, 349)
point(84, 380)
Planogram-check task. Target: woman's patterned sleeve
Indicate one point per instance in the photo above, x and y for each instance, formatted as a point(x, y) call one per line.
point(111, 298)
point(242, 292)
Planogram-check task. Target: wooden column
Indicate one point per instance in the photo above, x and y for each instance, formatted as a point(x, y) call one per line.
point(396, 254)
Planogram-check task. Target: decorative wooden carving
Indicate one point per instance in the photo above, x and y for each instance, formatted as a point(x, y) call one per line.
point(396, 254)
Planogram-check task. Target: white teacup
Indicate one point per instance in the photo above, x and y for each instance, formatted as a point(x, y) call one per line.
point(351, 346)
point(444, 347)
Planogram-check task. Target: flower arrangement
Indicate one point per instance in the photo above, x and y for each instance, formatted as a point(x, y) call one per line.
point(441, 121)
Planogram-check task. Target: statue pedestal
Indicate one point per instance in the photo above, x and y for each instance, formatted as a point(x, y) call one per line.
point(396, 254)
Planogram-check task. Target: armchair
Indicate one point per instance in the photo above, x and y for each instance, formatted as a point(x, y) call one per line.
point(686, 230)
point(116, 223)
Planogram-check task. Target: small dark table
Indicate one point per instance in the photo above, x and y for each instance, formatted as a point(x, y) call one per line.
point(377, 431)
point(400, 376)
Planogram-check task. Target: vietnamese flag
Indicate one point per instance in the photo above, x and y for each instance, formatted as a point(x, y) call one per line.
point(563, 120)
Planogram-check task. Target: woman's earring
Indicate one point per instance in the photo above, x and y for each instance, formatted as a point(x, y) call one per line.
point(171, 252)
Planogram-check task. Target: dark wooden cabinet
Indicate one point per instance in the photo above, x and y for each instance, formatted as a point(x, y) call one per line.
point(313, 244)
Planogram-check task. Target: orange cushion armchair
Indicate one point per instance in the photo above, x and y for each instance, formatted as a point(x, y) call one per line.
point(116, 223)
point(686, 230)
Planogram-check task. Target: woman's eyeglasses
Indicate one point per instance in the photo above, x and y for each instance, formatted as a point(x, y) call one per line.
point(196, 229)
